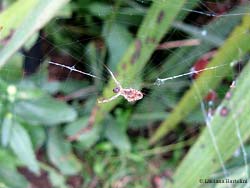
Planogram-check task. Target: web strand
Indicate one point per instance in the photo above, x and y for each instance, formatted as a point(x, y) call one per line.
point(211, 14)
point(160, 81)
point(73, 69)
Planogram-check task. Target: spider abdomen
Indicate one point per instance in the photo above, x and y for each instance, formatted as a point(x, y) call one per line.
point(131, 94)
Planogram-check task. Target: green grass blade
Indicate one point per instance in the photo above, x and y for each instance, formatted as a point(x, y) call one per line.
point(236, 45)
point(14, 15)
point(38, 17)
point(202, 157)
point(155, 25)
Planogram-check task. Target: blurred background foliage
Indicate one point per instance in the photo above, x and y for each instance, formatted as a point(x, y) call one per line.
point(54, 134)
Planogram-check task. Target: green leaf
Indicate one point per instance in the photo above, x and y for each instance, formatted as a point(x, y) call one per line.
point(118, 39)
point(117, 135)
point(70, 86)
point(99, 166)
point(100, 9)
point(94, 56)
point(13, 70)
point(36, 19)
point(37, 135)
point(20, 143)
point(8, 159)
point(88, 138)
point(9, 177)
point(51, 87)
point(56, 179)
point(28, 90)
point(46, 111)
point(60, 153)
point(203, 157)
point(6, 129)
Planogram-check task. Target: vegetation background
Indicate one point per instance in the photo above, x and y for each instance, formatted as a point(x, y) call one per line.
point(53, 132)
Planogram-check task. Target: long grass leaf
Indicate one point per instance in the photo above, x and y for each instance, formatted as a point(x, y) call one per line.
point(202, 157)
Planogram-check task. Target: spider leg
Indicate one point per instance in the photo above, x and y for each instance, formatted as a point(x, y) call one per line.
point(109, 99)
point(112, 75)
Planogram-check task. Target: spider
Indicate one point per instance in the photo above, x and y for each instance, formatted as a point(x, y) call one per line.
point(130, 94)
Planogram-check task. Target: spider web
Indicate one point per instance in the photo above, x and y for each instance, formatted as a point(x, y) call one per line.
point(161, 81)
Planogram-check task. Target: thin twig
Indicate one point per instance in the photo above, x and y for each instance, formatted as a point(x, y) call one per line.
point(179, 43)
